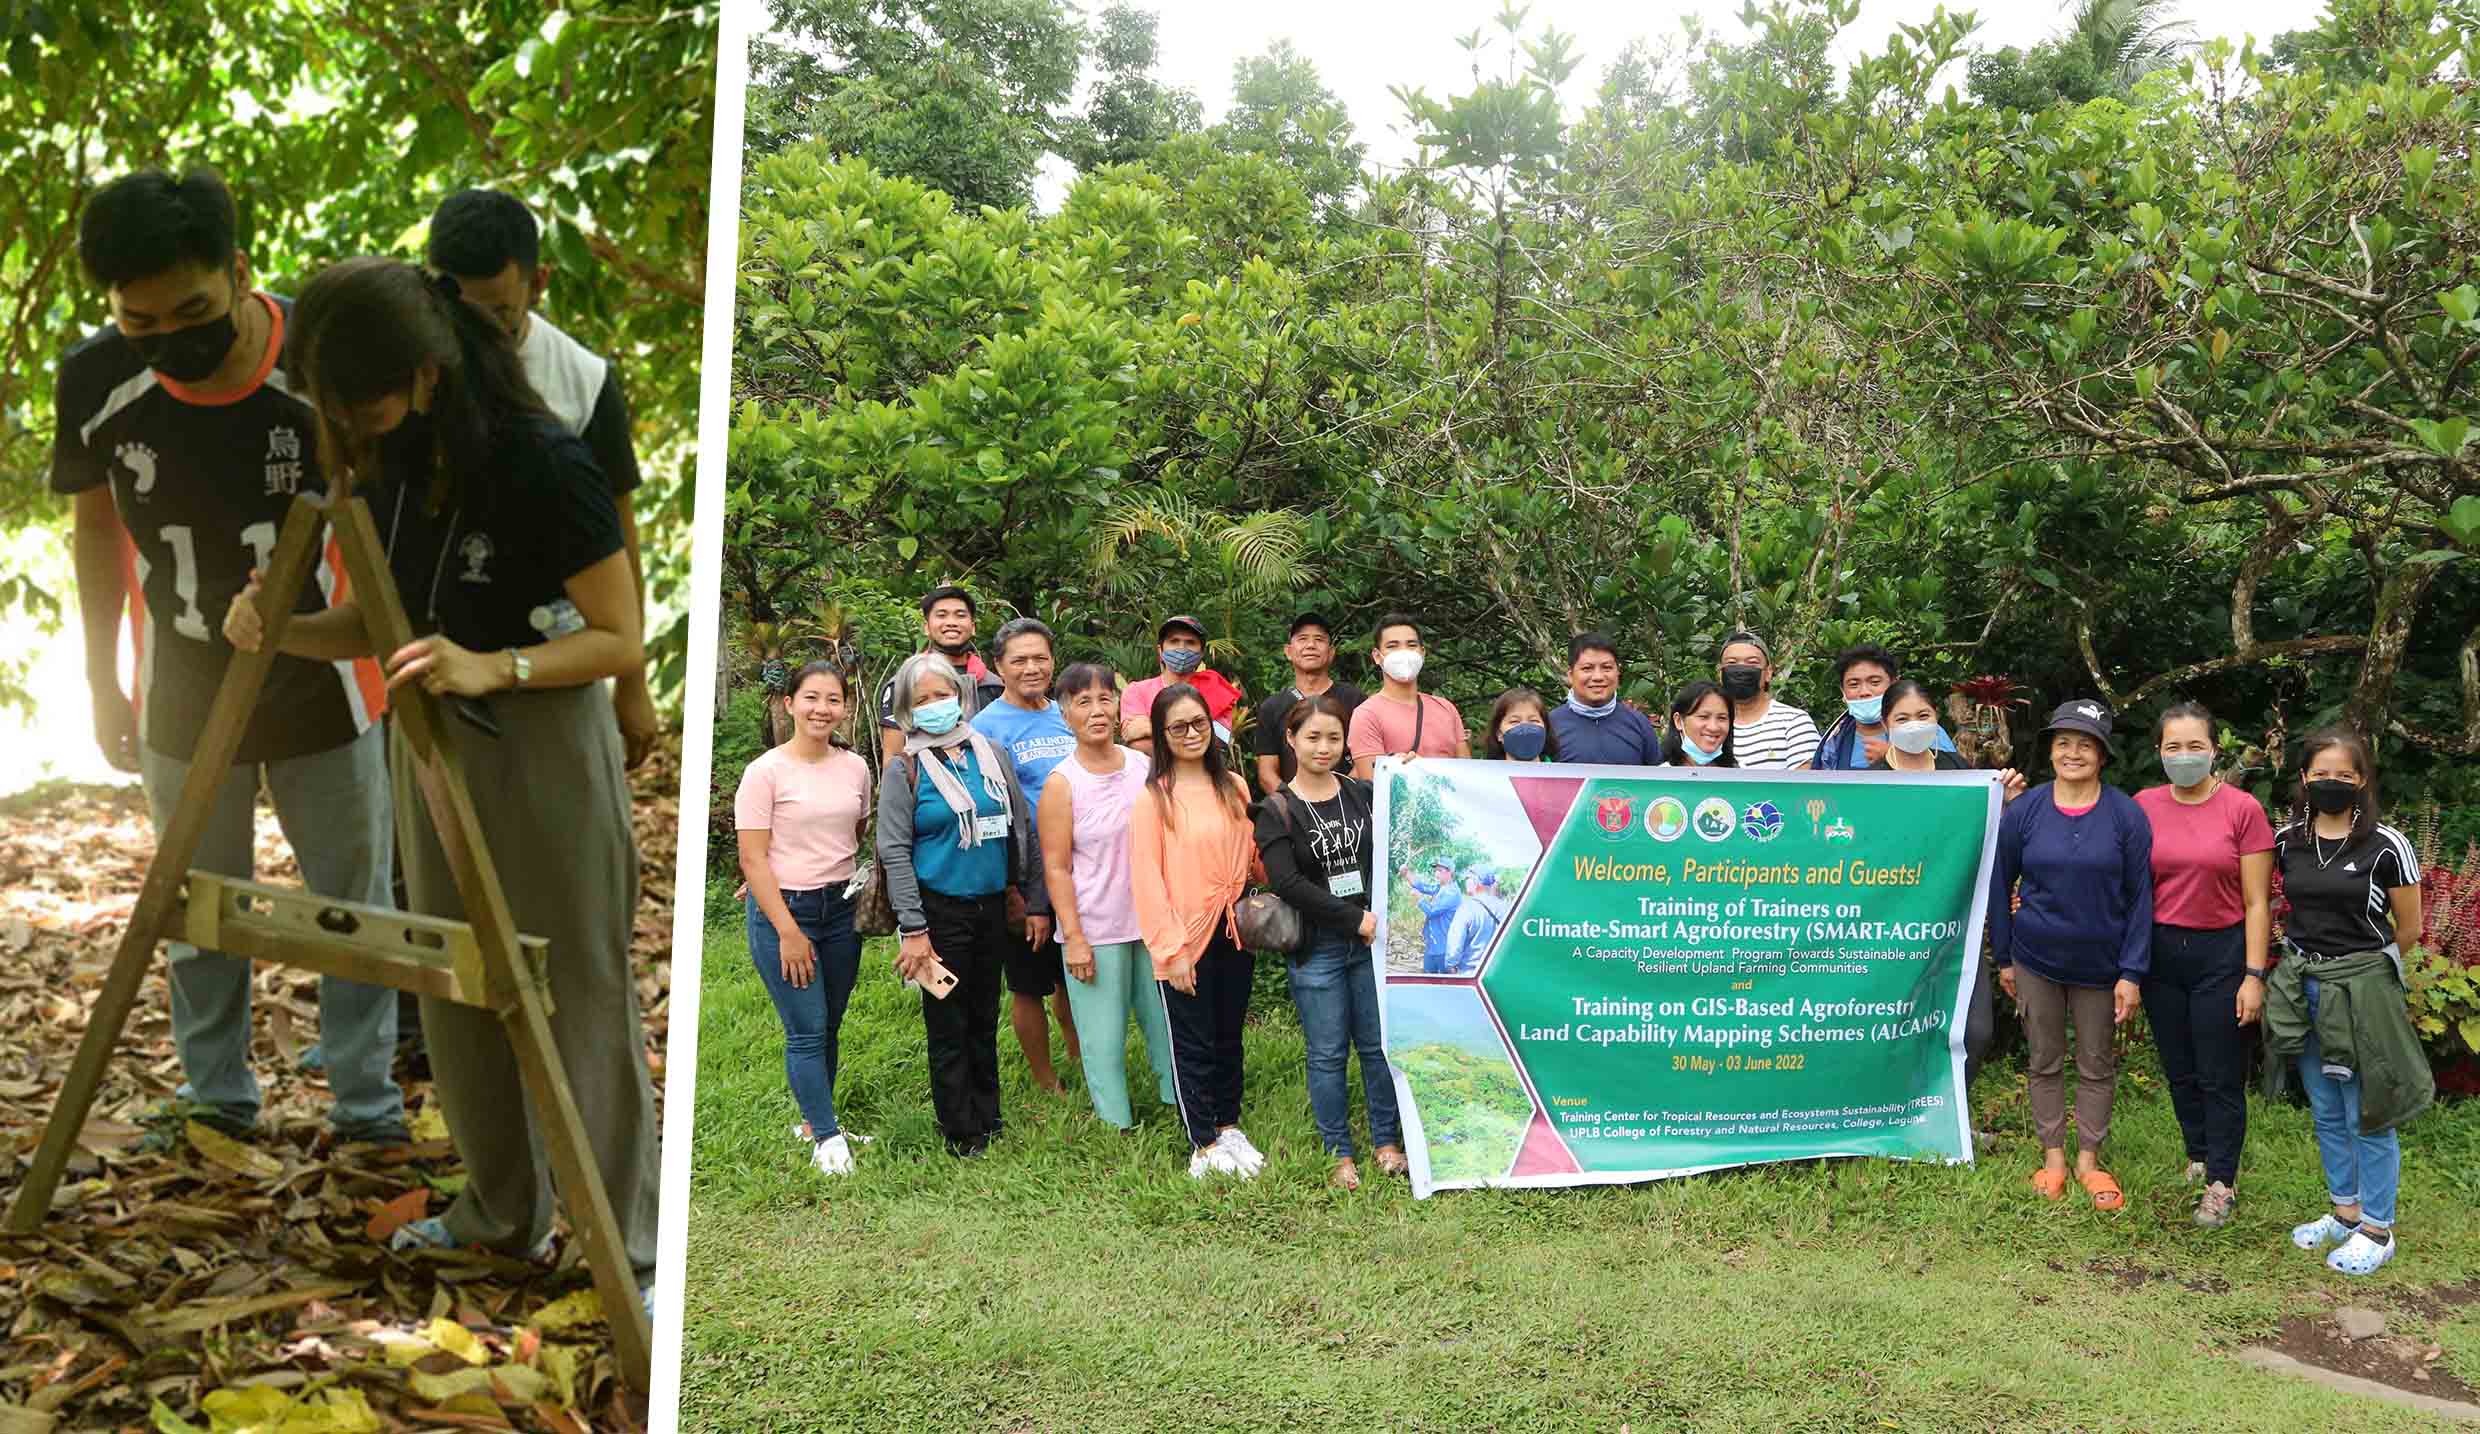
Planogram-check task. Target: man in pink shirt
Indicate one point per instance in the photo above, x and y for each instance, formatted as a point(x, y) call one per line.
point(1180, 646)
point(1399, 719)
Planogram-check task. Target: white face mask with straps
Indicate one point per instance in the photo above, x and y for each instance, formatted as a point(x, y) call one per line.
point(1403, 664)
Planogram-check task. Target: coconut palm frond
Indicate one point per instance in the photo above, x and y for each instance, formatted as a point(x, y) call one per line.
point(1263, 550)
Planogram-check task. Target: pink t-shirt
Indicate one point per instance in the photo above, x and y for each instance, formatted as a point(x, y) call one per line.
point(1106, 902)
point(1381, 725)
point(2196, 851)
point(812, 811)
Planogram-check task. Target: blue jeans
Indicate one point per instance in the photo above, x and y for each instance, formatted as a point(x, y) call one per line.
point(811, 1014)
point(1335, 985)
point(2366, 1169)
point(335, 812)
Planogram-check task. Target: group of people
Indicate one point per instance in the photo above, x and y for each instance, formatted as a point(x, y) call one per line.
point(1093, 838)
point(494, 452)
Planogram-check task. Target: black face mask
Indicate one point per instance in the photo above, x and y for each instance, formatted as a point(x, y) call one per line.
point(2331, 797)
point(1741, 681)
point(188, 355)
point(957, 650)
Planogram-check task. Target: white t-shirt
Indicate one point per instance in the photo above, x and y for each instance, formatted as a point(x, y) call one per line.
point(567, 374)
point(1782, 739)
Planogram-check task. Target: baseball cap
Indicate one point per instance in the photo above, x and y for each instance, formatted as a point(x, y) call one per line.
point(1311, 619)
point(1180, 620)
point(2086, 716)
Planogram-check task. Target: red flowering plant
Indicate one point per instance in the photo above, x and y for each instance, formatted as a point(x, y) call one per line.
point(2444, 967)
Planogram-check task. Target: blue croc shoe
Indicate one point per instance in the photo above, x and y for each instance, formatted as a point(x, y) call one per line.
point(2360, 1255)
point(2320, 1232)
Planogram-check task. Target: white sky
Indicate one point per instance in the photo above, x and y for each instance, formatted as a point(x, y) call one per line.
point(1362, 47)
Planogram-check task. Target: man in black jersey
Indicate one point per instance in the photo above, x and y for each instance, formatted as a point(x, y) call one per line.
point(184, 446)
point(488, 242)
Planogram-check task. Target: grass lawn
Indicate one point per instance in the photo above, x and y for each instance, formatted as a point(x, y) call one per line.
point(1077, 1279)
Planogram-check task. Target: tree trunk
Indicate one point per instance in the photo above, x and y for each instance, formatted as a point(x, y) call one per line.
point(2389, 635)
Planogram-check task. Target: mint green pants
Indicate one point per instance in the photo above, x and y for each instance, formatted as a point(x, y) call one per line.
point(1123, 984)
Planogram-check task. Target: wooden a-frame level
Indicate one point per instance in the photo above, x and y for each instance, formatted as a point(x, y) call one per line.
point(483, 961)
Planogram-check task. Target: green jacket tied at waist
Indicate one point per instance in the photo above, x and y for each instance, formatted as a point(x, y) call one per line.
point(2361, 1026)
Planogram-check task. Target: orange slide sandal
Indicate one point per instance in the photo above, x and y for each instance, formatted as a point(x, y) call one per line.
point(2051, 1183)
point(2104, 1187)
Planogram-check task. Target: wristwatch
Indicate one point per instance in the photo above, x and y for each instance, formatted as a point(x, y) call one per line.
point(520, 667)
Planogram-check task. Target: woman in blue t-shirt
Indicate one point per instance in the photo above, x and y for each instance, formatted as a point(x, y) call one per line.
point(1033, 735)
point(955, 836)
point(2081, 941)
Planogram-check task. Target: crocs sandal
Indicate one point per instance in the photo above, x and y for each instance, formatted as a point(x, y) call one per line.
point(2104, 1189)
point(2051, 1183)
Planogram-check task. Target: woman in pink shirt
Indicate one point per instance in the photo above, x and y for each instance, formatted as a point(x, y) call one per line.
point(2212, 921)
point(1084, 813)
point(1193, 851)
point(799, 812)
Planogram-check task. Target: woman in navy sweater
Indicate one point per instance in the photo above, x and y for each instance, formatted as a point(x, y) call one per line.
point(2082, 941)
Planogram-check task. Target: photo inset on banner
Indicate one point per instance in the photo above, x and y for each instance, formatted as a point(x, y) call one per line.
point(350, 403)
point(1679, 716)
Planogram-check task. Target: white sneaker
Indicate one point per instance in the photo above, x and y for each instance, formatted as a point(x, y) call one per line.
point(2360, 1255)
point(833, 1156)
point(800, 1135)
point(1249, 1157)
point(1213, 1160)
point(2320, 1232)
point(2193, 1174)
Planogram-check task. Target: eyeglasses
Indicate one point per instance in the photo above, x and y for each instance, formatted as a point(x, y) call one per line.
point(1193, 727)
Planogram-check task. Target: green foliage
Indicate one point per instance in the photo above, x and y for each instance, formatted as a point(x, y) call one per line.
point(2111, 398)
point(960, 94)
point(1473, 1109)
point(1130, 113)
point(339, 127)
point(2444, 997)
point(2104, 49)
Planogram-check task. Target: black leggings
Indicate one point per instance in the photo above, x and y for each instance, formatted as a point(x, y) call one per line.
point(1205, 1039)
point(2191, 1000)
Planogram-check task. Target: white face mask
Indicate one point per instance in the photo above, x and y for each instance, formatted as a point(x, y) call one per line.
point(1403, 664)
point(1912, 737)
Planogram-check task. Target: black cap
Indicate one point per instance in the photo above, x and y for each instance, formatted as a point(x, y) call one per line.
point(2086, 716)
point(1311, 619)
point(1180, 620)
point(945, 591)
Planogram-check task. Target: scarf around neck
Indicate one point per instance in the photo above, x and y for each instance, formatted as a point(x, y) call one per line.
point(942, 776)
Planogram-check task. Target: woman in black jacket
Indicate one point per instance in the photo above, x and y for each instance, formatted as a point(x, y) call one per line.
point(1314, 834)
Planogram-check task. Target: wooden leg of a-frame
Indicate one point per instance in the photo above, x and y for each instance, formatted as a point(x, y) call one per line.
point(288, 572)
point(442, 779)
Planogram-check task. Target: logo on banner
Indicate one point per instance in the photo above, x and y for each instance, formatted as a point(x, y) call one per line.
point(1714, 819)
point(1839, 830)
point(1762, 820)
point(1613, 814)
point(1666, 819)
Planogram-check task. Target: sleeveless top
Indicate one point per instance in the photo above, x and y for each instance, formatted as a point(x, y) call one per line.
point(1098, 845)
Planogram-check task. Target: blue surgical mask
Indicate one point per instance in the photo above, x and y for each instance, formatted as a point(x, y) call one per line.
point(1182, 660)
point(2186, 769)
point(1697, 754)
point(939, 718)
point(1524, 740)
point(1866, 710)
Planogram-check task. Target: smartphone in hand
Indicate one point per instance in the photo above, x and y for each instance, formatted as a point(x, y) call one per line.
point(938, 980)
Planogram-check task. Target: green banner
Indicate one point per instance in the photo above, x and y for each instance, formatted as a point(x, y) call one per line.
point(1600, 974)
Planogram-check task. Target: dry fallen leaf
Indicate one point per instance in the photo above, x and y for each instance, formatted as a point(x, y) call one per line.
point(232, 1154)
point(395, 1214)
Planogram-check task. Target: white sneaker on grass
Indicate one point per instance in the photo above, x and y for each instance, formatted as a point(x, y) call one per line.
point(1214, 1160)
point(2360, 1255)
point(1249, 1157)
point(2320, 1232)
point(833, 1156)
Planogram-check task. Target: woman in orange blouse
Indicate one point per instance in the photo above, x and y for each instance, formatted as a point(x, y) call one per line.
point(1192, 853)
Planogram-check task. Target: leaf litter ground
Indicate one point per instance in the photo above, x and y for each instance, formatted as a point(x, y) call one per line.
point(230, 1285)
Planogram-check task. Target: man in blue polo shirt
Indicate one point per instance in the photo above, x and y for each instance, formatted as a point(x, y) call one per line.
point(1593, 725)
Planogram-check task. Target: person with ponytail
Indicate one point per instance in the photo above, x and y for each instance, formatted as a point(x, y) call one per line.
point(1702, 733)
point(1192, 855)
point(799, 815)
point(1314, 836)
point(1084, 813)
point(504, 544)
point(2335, 1003)
point(2212, 924)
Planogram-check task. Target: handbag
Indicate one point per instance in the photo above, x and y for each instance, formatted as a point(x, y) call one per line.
point(872, 915)
point(1267, 922)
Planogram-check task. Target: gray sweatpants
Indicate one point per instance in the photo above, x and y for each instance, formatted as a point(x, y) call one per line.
point(555, 811)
